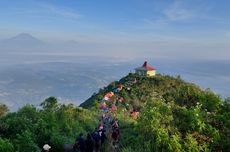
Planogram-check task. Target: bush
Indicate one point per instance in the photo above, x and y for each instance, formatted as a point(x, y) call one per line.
point(6, 145)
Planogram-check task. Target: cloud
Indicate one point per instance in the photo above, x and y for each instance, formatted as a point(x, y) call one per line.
point(215, 19)
point(62, 12)
point(175, 12)
point(178, 12)
point(46, 10)
point(3, 94)
point(156, 23)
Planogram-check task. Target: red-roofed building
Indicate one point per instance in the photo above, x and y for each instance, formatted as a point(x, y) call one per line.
point(146, 70)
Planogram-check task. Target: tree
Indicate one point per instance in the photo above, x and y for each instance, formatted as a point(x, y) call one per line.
point(3, 109)
point(210, 101)
point(25, 142)
point(50, 104)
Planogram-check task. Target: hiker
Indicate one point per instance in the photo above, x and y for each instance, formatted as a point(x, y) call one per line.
point(97, 140)
point(103, 117)
point(115, 136)
point(128, 89)
point(121, 99)
point(103, 136)
point(100, 125)
point(89, 144)
point(46, 148)
point(80, 143)
point(115, 125)
point(127, 107)
point(134, 114)
point(100, 130)
point(120, 86)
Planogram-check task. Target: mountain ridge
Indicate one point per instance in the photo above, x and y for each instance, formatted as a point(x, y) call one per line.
point(128, 82)
point(170, 115)
point(174, 115)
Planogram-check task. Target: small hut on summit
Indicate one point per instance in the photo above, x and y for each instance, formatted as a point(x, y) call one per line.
point(146, 70)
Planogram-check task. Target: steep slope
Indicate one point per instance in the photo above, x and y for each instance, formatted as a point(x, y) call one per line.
point(174, 115)
point(138, 90)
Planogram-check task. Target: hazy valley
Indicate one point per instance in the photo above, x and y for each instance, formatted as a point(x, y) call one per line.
point(28, 76)
point(74, 82)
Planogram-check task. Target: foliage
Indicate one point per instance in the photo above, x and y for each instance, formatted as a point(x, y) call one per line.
point(174, 116)
point(6, 146)
point(28, 129)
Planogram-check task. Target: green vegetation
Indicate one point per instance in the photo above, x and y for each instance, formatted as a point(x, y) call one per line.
point(56, 124)
point(174, 116)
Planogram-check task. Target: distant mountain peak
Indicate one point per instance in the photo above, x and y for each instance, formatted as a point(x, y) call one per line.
point(24, 34)
point(22, 41)
point(24, 37)
point(72, 42)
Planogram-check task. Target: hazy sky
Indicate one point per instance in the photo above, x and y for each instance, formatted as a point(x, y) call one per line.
point(178, 28)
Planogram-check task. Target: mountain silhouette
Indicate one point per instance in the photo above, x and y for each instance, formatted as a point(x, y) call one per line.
point(24, 38)
point(23, 41)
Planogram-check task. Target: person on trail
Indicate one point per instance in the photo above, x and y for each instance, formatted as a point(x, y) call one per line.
point(105, 98)
point(80, 143)
point(115, 137)
point(121, 99)
point(128, 89)
point(115, 134)
point(115, 124)
point(120, 86)
point(100, 130)
point(97, 140)
point(103, 116)
point(107, 119)
point(103, 136)
point(89, 144)
point(127, 107)
point(134, 114)
point(46, 148)
point(100, 125)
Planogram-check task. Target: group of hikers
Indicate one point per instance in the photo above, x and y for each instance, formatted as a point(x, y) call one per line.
point(107, 129)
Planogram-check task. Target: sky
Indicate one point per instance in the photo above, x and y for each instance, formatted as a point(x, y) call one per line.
point(133, 28)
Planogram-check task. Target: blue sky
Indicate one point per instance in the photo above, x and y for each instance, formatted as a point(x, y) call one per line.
point(191, 28)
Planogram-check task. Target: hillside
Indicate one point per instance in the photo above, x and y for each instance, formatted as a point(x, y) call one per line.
point(174, 115)
point(170, 115)
point(138, 90)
